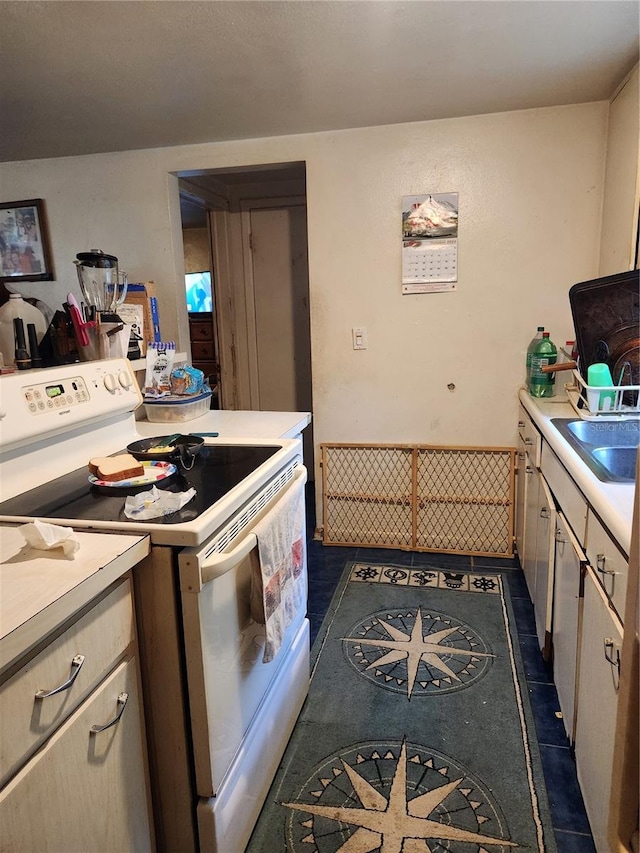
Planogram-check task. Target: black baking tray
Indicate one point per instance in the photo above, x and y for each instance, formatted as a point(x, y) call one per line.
point(599, 307)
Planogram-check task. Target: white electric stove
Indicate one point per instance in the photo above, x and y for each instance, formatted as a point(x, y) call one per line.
point(210, 771)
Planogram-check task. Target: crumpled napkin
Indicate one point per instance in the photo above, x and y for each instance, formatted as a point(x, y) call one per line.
point(45, 537)
point(155, 503)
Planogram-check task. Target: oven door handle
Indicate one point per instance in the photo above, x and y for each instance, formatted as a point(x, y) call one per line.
point(219, 564)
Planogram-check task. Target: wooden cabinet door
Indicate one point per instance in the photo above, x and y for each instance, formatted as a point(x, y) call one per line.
point(569, 566)
point(84, 791)
point(597, 705)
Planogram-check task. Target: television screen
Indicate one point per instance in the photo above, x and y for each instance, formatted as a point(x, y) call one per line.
point(199, 296)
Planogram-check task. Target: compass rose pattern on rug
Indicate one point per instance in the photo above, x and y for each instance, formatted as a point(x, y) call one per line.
point(394, 798)
point(417, 652)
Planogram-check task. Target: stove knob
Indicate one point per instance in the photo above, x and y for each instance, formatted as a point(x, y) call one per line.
point(124, 378)
point(110, 382)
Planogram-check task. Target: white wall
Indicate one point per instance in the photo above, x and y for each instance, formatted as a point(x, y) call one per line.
point(530, 187)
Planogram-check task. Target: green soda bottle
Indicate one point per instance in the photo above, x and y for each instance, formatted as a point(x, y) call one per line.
point(545, 353)
point(532, 345)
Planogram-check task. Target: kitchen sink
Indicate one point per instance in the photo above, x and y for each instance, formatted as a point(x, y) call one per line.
point(609, 448)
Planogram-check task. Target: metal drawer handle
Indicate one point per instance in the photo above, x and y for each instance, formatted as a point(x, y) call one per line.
point(520, 424)
point(122, 701)
point(528, 470)
point(600, 561)
point(608, 650)
point(544, 512)
point(559, 537)
point(528, 441)
point(76, 663)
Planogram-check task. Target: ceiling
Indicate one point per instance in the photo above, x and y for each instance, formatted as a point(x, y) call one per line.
point(84, 77)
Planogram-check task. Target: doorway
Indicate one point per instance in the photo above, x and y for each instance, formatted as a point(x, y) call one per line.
point(255, 223)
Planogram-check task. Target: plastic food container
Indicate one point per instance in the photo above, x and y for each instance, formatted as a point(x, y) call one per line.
point(174, 410)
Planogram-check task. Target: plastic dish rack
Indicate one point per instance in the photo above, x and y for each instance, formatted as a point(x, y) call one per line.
point(626, 399)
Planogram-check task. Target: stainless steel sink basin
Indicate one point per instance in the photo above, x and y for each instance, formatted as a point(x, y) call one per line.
point(609, 448)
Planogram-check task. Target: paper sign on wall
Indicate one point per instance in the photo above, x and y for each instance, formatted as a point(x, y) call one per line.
point(429, 242)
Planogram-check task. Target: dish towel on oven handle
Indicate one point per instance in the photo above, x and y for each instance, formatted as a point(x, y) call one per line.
point(278, 584)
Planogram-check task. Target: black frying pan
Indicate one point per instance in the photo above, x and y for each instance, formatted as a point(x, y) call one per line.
point(183, 448)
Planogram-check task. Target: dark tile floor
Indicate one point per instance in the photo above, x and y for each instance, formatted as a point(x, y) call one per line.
point(570, 823)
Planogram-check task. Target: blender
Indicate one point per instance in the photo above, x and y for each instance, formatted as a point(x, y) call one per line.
point(102, 286)
point(102, 334)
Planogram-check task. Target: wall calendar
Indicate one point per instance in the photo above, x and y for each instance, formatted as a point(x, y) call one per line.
point(429, 242)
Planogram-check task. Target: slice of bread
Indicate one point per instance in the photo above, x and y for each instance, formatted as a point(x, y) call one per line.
point(115, 468)
point(94, 464)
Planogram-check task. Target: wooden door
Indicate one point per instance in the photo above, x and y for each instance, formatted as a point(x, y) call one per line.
point(277, 303)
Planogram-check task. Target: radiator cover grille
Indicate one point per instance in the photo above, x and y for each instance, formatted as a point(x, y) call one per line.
point(419, 497)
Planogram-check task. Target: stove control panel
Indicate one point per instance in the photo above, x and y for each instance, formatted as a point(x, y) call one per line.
point(55, 395)
point(38, 403)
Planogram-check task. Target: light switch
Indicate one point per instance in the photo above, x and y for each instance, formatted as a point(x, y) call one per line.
point(359, 335)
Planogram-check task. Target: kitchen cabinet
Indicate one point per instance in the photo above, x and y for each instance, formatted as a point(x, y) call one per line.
point(84, 790)
point(599, 674)
point(544, 566)
point(610, 564)
point(527, 485)
point(618, 239)
point(586, 586)
point(535, 528)
point(203, 348)
point(73, 754)
point(520, 497)
point(570, 563)
point(531, 511)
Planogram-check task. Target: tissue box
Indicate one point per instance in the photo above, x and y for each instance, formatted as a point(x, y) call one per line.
point(171, 410)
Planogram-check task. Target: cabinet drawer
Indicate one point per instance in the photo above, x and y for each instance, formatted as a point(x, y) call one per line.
point(609, 564)
point(85, 791)
point(202, 350)
point(201, 330)
point(101, 635)
point(530, 436)
point(569, 497)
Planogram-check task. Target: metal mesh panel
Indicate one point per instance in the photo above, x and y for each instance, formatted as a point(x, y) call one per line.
point(424, 498)
point(367, 495)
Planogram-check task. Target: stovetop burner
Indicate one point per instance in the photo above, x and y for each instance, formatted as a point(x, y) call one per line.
point(218, 469)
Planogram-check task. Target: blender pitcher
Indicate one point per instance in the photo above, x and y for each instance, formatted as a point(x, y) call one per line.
point(100, 282)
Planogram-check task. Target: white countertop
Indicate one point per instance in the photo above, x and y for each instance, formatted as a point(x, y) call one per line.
point(234, 424)
point(42, 589)
point(613, 502)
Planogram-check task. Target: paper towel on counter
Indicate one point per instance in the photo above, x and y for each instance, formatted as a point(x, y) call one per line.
point(46, 537)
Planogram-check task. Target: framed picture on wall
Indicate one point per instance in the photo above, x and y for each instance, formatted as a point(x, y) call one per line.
point(25, 254)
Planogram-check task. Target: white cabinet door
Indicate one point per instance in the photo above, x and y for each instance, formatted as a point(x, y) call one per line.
point(597, 705)
point(528, 561)
point(544, 570)
point(569, 567)
point(521, 497)
point(84, 791)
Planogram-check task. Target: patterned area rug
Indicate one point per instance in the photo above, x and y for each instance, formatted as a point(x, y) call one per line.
point(417, 735)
